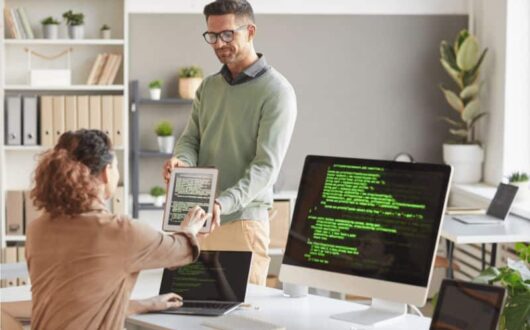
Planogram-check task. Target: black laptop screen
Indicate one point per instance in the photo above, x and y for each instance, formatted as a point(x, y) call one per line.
point(502, 201)
point(216, 275)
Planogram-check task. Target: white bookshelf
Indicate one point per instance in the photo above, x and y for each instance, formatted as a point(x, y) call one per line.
point(18, 162)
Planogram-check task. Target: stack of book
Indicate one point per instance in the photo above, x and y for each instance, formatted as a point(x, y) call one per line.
point(17, 23)
point(104, 69)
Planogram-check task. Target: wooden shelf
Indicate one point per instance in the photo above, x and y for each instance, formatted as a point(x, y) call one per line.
point(65, 88)
point(39, 148)
point(147, 206)
point(154, 154)
point(166, 101)
point(30, 42)
point(15, 238)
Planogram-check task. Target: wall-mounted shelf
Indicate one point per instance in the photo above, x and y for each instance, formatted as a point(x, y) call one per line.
point(15, 238)
point(30, 42)
point(40, 148)
point(168, 101)
point(147, 206)
point(154, 154)
point(98, 88)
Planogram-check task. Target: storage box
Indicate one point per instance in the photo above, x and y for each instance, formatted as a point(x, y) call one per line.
point(50, 77)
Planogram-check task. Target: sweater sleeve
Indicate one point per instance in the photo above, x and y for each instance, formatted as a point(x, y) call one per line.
point(148, 248)
point(278, 116)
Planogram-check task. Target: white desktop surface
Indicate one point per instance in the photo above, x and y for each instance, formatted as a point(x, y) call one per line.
point(310, 312)
point(513, 229)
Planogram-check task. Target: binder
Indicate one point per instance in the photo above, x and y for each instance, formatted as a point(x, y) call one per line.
point(58, 118)
point(29, 121)
point(118, 120)
point(21, 257)
point(30, 211)
point(46, 121)
point(14, 121)
point(117, 201)
point(83, 113)
point(10, 257)
point(95, 112)
point(107, 115)
point(70, 113)
point(14, 212)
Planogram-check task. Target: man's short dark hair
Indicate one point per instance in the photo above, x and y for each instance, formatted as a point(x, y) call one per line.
point(240, 8)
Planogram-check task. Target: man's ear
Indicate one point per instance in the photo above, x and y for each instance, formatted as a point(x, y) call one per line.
point(105, 174)
point(251, 31)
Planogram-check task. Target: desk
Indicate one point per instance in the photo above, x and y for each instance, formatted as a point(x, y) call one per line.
point(514, 229)
point(311, 312)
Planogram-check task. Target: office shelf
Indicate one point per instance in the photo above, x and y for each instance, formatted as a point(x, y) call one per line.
point(15, 238)
point(165, 101)
point(147, 206)
point(65, 88)
point(154, 154)
point(31, 42)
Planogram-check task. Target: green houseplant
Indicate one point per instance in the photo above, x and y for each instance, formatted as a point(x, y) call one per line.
point(50, 28)
point(105, 31)
point(166, 140)
point(155, 89)
point(75, 23)
point(522, 181)
point(158, 194)
point(190, 78)
point(462, 60)
point(515, 277)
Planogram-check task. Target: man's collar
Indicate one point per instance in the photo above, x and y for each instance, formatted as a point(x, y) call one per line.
point(249, 73)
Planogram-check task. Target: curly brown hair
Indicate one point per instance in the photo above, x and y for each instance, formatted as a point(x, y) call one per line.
point(66, 177)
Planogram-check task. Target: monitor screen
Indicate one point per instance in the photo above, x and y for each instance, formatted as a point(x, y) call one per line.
point(216, 275)
point(502, 201)
point(468, 306)
point(368, 218)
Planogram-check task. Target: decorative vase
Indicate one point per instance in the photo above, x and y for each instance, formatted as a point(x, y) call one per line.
point(76, 31)
point(155, 93)
point(105, 34)
point(165, 144)
point(188, 87)
point(466, 160)
point(159, 201)
point(50, 31)
point(523, 193)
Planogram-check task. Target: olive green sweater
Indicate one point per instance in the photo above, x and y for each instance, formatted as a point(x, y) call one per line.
point(243, 130)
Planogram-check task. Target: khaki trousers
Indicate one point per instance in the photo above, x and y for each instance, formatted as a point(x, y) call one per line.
point(243, 235)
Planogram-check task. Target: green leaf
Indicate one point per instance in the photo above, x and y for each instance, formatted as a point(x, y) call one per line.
point(448, 54)
point(453, 122)
point(487, 276)
point(470, 91)
point(471, 111)
point(468, 54)
point(454, 101)
point(517, 311)
point(471, 76)
point(462, 36)
point(452, 73)
point(520, 247)
point(477, 117)
point(459, 132)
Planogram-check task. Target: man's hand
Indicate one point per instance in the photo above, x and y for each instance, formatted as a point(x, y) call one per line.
point(169, 165)
point(194, 220)
point(216, 217)
point(155, 304)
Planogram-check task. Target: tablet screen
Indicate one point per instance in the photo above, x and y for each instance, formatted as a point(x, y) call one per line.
point(188, 190)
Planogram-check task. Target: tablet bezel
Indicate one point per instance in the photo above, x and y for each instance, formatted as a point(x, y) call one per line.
point(189, 170)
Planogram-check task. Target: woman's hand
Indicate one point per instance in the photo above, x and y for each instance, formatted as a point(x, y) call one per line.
point(155, 304)
point(194, 220)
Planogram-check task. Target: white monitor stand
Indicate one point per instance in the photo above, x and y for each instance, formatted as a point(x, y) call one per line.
point(380, 311)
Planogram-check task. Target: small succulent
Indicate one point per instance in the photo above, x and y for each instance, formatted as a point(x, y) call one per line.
point(105, 27)
point(155, 84)
point(157, 191)
point(164, 129)
point(50, 21)
point(190, 72)
point(74, 18)
point(518, 177)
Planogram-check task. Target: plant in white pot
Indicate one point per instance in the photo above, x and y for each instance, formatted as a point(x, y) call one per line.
point(75, 23)
point(155, 89)
point(105, 31)
point(50, 28)
point(190, 78)
point(462, 62)
point(166, 140)
point(521, 180)
point(159, 195)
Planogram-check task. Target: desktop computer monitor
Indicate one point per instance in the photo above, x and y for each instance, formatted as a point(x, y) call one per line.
point(368, 228)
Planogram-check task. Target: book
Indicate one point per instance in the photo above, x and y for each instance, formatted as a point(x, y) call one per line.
point(95, 72)
point(18, 26)
point(10, 24)
point(114, 69)
point(25, 23)
point(106, 70)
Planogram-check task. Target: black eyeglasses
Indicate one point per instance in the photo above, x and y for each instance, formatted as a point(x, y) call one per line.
point(226, 35)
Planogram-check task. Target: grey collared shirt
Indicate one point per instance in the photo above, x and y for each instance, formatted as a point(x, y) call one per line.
point(252, 72)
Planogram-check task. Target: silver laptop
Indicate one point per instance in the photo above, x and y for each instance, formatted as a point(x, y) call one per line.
point(213, 285)
point(497, 210)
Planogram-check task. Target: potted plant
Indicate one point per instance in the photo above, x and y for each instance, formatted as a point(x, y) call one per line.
point(190, 78)
point(515, 277)
point(105, 31)
point(521, 180)
point(166, 140)
point(155, 88)
point(462, 61)
point(158, 194)
point(50, 28)
point(75, 23)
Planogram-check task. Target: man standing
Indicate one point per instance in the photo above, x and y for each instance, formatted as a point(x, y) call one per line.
point(241, 123)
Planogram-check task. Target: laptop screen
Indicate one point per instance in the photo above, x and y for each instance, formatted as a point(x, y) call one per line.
point(502, 201)
point(215, 276)
point(468, 306)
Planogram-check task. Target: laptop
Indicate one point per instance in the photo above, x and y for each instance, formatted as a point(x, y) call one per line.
point(213, 285)
point(468, 306)
point(497, 210)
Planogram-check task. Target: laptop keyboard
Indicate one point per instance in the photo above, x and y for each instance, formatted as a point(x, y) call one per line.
point(208, 305)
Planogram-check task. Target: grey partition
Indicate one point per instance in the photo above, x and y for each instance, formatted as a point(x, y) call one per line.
point(366, 85)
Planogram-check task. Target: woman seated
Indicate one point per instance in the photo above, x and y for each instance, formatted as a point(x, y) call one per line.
point(83, 260)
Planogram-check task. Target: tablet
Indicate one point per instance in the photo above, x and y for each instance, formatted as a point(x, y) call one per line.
point(468, 306)
point(189, 186)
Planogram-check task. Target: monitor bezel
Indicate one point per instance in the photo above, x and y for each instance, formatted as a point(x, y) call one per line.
point(358, 285)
